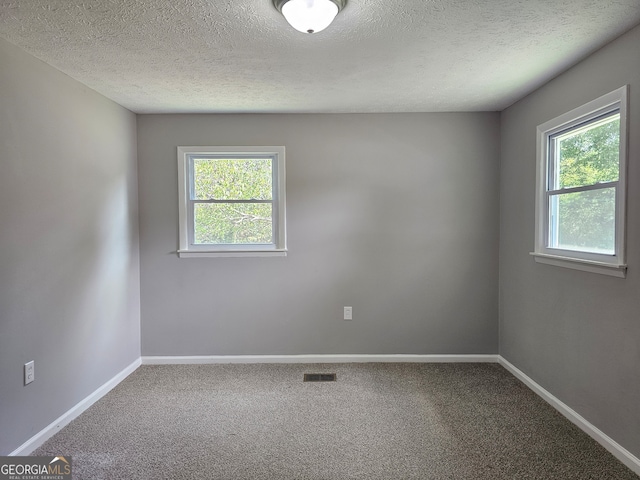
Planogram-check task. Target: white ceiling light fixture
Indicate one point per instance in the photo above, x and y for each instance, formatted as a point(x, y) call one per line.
point(309, 16)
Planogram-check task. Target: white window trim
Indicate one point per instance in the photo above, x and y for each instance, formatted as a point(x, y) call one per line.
point(279, 249)
point(597, 263)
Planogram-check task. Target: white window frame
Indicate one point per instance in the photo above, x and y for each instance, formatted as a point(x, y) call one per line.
point(592, 262)
point(185, 206)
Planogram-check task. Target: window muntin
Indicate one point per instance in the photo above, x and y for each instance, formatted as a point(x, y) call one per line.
point(231, 200)
point(580, 193)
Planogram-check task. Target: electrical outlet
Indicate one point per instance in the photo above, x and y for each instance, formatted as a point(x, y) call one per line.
point(29, 372)
point(348, 313)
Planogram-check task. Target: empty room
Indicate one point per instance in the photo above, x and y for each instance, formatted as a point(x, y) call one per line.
point(319, 239)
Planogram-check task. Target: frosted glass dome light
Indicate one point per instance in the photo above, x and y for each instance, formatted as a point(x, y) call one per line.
point(309, 16)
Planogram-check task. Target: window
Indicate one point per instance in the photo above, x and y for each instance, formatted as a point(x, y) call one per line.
point(232, 201)
point(580, 191)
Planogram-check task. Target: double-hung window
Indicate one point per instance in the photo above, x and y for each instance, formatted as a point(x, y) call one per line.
point(231, 201)
point(580, 194)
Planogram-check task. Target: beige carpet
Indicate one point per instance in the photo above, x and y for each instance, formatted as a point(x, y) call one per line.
point(377, 421)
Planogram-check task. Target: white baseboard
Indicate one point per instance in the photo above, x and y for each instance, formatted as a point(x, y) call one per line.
point(574, 417)
point(347, 358)
point(39, 438)
point(626, 457)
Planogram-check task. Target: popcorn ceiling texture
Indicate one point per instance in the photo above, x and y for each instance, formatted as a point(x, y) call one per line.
point(160, 56)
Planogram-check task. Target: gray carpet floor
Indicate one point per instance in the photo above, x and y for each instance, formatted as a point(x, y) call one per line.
point(377, 421)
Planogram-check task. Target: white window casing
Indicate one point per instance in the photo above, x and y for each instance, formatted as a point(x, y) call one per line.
point(186, 203)
point(545, 251)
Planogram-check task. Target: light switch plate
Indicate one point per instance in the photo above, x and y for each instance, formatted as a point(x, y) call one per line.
point(29, 372)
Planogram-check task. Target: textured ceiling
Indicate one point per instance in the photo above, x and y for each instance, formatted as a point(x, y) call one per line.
point(158, 56)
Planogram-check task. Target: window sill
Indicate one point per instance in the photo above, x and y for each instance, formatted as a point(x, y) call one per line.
point(619, 271)
point(231, 253)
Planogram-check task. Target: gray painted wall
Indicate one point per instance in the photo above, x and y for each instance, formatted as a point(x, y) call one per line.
point(393, 214)
point(69, 263)
point(575, 333)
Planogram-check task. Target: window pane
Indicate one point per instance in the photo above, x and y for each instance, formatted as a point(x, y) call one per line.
point(232, 179)
point(589, 154)
point(583, 221)
point(235, 223)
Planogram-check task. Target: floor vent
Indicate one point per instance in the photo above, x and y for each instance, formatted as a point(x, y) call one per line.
point(319, 377)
